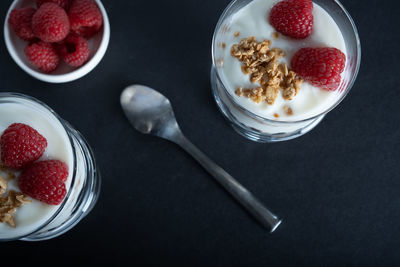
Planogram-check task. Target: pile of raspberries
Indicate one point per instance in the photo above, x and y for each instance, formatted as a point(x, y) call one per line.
point(57, 29)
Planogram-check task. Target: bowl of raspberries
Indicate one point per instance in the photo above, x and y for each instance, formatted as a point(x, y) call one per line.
point(57, 40)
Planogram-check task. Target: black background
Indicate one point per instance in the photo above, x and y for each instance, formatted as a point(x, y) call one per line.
point(337, 188)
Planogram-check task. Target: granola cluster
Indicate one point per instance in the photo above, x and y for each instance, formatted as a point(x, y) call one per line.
point(262, 64)
point(10, 202)
point(3, 185)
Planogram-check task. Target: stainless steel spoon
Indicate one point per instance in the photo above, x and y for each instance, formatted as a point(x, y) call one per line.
point(151, 113)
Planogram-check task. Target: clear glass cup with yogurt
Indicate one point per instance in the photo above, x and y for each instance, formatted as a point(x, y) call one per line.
point(333, 27)
point(37, 220)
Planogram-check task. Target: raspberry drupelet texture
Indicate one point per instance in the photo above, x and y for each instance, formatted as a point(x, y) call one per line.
point(293, 18)
point(50, 23)
point(62, 3)
point(20, 21)
point(85, 17)
point(45, 181)
point(74, 50)
point(21, 145)
point(320, 66)
point(43, 56)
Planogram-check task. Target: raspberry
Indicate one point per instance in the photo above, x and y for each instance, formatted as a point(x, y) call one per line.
point(85, 17)
point(74, 50)
point(20, 21)
point(50, 23)
point(293, 18)
point(43, 55)
point(21, 145)
point(320, 66)
point(45, 181)
point(62, 3)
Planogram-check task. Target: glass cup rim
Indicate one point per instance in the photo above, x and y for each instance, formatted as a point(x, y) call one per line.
point(258, 117)
point(63, 124)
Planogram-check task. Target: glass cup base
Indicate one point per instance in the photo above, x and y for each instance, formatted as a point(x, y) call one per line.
point(273, 138)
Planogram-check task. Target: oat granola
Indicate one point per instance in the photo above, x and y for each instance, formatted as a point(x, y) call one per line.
point(288, 110)
point(9, 205)
point(3, 185)
point(262, 64)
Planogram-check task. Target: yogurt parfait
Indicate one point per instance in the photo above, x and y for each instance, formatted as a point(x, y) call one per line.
point(48, 176)
point(280, 66)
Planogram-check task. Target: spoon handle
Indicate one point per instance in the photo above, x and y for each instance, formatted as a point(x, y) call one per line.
point(241, 194)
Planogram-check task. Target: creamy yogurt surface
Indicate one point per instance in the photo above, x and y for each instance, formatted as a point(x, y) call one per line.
point(253, 20)
point(32, 215)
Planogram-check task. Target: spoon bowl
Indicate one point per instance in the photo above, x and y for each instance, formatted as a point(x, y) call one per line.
point(149, 111)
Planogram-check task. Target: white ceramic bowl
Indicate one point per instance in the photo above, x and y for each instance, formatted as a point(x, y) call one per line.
point(98, 45)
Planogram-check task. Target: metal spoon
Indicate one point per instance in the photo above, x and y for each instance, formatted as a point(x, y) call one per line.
point(151, 113)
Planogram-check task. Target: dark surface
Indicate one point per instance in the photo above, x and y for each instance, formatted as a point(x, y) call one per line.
point(337, 188)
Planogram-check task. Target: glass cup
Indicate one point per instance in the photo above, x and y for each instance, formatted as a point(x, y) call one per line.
point(84, 188)
point(261, 129)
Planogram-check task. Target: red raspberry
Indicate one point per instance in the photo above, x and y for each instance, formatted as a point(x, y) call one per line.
point(62, 3)
point(50, 23)
point(293, 18)
point(20, 21)
point(45, 181)
point(74, 50)
point(320, 66)
point(43, 55)
point(85, 17)
point(21, 145)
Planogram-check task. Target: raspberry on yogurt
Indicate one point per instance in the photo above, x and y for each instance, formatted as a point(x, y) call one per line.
point(36, 138)
point(21, 145)
point(261, 79)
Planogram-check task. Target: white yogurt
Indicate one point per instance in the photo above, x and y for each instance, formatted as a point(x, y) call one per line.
point(252, 20)
point(32, 216)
